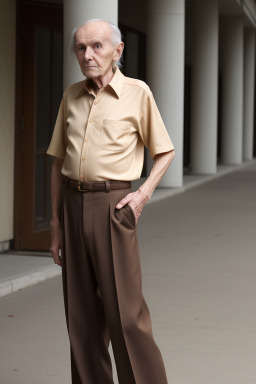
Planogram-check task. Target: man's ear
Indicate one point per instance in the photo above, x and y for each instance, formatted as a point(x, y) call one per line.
point(118, 51)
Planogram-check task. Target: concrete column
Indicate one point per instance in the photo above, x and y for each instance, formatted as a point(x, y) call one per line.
point(231, 63)
point(165, 74)
point(76, 12)
point(204, 87)
point(249, 81)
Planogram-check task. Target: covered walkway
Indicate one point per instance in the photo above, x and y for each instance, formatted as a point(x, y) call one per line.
point(199, 279)
point(199, 263)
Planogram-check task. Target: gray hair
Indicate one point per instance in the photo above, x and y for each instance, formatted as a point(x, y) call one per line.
point(116, 36)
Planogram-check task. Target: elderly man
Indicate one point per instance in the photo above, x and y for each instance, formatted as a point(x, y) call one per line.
point(98, 141)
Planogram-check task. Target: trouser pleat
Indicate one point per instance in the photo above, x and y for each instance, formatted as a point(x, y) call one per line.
point(87, 328)
point(145, 356)
point(103, 296)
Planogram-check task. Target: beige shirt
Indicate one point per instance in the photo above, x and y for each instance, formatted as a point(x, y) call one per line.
point(102, 136)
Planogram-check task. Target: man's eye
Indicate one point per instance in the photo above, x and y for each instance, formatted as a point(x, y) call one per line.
point(97, 46)
point(80, 49)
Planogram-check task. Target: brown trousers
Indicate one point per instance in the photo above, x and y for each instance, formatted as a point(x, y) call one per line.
point(102, 288)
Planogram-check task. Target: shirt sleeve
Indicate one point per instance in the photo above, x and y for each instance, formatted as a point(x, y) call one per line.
point(152, 129)
point(58, 142)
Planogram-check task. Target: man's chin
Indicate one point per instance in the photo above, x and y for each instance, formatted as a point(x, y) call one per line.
point(91, 73)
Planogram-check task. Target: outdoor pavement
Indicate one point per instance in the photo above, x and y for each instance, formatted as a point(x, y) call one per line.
point(198, 262)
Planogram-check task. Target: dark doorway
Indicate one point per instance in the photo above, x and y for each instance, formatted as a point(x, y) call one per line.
point(39, 91)
point(134, 61)
point(134, 64)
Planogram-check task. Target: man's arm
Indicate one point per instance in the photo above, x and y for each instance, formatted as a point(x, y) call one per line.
point(56, 192)
point(138, 199)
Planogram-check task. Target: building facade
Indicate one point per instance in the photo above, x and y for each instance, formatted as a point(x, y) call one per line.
point(197, 56)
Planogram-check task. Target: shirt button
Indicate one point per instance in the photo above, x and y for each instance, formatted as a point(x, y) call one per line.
point(82, 177)
point(86, 139)
point(95, 102)
point(84, 158)
point(90, 121)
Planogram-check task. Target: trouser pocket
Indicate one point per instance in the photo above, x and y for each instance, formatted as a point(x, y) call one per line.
point(127, 210)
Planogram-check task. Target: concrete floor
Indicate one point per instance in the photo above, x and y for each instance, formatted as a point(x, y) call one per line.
point(198, 269)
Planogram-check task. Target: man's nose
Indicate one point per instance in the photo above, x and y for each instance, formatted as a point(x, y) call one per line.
point(88, 55)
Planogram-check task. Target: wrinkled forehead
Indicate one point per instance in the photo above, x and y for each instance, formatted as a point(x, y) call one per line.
point(93, 31)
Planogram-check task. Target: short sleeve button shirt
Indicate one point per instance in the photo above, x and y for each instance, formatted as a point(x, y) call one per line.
point(102, 136)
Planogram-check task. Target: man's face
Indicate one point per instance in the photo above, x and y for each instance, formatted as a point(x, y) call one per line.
point(94, 49)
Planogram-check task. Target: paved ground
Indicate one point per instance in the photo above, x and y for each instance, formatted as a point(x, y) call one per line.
point(198, 266)
point(22, 270)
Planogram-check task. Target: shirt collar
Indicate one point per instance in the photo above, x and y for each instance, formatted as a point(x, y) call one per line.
point(115, 83)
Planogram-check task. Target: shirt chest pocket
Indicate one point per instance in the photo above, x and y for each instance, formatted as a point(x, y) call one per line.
point(114, 135)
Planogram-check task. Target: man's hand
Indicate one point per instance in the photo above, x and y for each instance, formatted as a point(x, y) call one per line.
point(56, 244)
point(56, 193)
point(136, 200)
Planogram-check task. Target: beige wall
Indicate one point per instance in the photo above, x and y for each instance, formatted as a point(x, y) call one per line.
point(7, 116)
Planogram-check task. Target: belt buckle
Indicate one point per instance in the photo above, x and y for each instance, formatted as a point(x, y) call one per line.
point(88, 188)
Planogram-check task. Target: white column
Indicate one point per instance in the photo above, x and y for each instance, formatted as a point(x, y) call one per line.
point(231, 62)
point(249, 76)
point(76, 12)
point(204, 87)
point(165, 74)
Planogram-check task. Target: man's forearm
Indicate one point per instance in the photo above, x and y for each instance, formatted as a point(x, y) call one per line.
point(56, 191)
point(162, 163)
point(138, 199)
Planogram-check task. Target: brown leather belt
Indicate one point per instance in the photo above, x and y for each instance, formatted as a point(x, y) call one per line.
point(96, 186)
